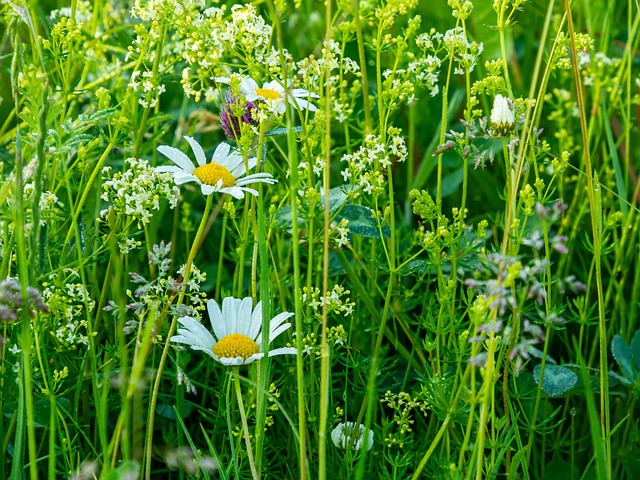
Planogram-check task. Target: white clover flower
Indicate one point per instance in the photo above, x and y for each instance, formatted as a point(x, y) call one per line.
point(501, 115)
point(224, 173)
point(343, 433)
point(273, 94)
point(237, 330)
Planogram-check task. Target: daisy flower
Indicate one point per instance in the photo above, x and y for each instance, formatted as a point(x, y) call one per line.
point(237, 335)
point(273, 94)
point(224, 173)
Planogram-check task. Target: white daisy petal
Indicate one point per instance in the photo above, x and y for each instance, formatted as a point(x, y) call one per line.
point(169, 169)
point(283, 351)
point(244, 315)
point(215, 317)
point(221, 153)
point(279, 319)
point(231, 362)
point(197, 150)
point(180, 179)
point(248, 190)
point(277, 331)
point(230, 314)
point(207, 189)
point(253, 358)
point(177, 157)
point(235, 192)
point(256, 322)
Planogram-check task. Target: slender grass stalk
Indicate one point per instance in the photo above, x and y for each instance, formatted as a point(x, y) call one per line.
point(265, 297)
point(245, 427)
point(593, 193)
point(325, 371)
point(25, 333)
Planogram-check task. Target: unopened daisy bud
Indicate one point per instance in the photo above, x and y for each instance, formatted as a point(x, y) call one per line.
point(234, 114)
point(501, 116)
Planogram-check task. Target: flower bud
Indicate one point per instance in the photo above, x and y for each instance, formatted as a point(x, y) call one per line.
point(501, 116)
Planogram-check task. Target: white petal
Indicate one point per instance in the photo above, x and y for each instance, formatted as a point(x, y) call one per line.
point(232, 161)
point(231, 362)
point(249, 190)
point(283, 351)
point(244, 315)
point(235, 192)
point(256, 322)
point(248, 87)
point(181, 178)
point(225, 80)
point(207, 189)
point(197, 150)
point(256, 177)
point(277, 331)
point(221, 153)
point(215, 317)
point(253, 358)
point(278, 320)
point(169, 169)
point(302, 93)
point(229, 314)
point(177, 157)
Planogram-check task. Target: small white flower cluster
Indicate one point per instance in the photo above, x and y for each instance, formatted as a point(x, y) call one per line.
point(600, 70)
point(137, 190)
point(426, 71)
point(334, 300)
point(69, 304)
point(208, 37)
point(83, 13)
point(364, 167)
point(454, 42)
point(148, 86)
point(342, 233)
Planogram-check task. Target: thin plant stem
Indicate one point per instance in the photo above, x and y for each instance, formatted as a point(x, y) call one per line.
point(148, 446)
point(245, 426)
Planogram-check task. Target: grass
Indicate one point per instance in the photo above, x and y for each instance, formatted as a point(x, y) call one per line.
point(447, 206)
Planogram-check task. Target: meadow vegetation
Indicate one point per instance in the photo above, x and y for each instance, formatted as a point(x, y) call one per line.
point(352, 239)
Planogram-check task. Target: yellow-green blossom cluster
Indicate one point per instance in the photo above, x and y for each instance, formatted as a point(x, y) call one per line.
point(401, 424)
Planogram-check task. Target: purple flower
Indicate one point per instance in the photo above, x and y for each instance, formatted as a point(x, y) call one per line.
point(230, 120)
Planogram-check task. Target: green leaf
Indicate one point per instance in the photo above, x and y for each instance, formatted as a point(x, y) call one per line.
point(622, 355)
point(451, 182)
point(361, 222)
point(557, 381)
point(635, 349)
point(128, 469)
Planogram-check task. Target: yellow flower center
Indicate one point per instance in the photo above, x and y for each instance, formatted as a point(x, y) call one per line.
point(212, 173)
point(268, 94)
point(236, 345)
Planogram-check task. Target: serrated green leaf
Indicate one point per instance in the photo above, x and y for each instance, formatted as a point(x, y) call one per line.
point(557, 380)
point(362, 223)
point(622, 355)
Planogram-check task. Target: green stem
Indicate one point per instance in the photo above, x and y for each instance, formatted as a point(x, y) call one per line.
point(165, 351)
point(245, 427)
